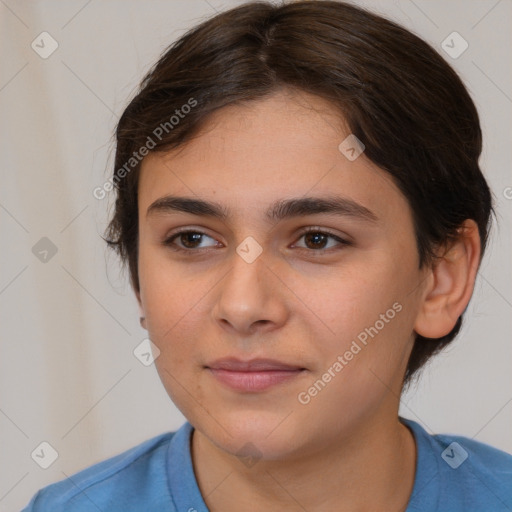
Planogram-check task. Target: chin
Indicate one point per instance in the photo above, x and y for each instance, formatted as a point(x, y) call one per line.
point(254, 434)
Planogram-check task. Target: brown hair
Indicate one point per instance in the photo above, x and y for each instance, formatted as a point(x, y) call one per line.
point(396, 93)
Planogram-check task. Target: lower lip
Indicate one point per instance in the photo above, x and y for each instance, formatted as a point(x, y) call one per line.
point(254, 381)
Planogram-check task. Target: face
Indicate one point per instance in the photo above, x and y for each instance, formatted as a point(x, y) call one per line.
point(330, 311)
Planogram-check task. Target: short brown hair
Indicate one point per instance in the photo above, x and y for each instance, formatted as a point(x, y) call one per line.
point(396, 93)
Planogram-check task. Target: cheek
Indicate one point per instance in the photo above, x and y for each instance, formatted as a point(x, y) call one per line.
point(177, 305)
point(370, 317)
point(353, 299)
point(167, 293)
point(359, 368)
point(173, 307)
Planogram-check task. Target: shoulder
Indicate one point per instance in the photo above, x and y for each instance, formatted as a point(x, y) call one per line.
point(471, 475)
point(456, 450)
point(118, 483)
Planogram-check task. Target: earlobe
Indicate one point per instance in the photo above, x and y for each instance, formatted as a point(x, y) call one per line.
point(451, 285)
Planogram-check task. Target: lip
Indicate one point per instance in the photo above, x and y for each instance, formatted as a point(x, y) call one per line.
point(254, 375)
point(252, 365)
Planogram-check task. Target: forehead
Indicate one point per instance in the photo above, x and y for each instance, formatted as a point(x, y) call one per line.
point(252, 155)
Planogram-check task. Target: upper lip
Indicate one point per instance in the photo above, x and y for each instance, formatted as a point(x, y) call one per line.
point(253, 365)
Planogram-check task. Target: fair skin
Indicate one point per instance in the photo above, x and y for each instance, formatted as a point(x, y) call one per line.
point(302, 301)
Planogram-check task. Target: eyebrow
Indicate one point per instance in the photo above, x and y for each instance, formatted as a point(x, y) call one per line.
point(282, 209)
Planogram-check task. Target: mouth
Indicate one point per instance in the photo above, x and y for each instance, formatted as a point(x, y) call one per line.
point(253, 376)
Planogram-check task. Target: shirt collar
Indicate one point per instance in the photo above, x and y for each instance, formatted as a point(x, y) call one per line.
point(182, 480)
point(425, 492)
point(187, 496)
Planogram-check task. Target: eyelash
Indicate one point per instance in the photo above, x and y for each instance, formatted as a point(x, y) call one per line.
point(169, 241)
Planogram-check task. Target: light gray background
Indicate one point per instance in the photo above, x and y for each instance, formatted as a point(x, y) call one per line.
point(69, 326)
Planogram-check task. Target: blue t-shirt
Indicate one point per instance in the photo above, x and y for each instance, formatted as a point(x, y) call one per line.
point(453, 474)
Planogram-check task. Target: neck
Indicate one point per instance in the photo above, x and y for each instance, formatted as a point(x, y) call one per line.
point(370, 469)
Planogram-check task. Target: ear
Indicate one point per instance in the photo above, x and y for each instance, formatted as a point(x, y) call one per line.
point(451, 283)
point(141, 307)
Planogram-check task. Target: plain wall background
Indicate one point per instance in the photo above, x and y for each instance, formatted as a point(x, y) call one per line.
point(69, 326)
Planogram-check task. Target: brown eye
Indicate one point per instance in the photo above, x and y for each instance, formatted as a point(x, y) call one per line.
point(317, 240)
point(187, 240)
point(190, 239)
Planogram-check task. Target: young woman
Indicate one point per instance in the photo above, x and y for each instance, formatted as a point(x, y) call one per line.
point(301, 208)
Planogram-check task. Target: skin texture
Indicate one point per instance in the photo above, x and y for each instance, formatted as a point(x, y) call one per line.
point(345, 449)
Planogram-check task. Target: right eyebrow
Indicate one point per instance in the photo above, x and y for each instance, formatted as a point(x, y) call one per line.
point(169, 204)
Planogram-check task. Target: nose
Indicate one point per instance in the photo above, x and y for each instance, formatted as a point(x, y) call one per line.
point(251, 298)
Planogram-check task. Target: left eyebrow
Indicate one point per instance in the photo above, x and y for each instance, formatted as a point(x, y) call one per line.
point(298, 207)
point(282, 209)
